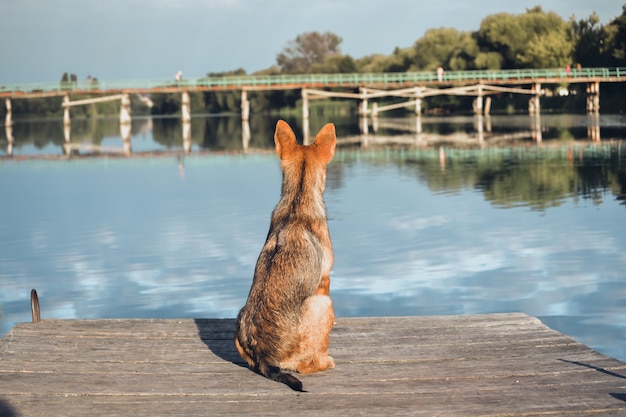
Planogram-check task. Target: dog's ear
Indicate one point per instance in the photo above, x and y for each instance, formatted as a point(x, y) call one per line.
point(285, 140)
point(325, 142)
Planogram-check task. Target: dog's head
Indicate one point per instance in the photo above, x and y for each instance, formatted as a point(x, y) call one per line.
point(322, 149)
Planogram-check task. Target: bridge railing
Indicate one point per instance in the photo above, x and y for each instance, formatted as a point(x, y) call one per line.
point(322, 80)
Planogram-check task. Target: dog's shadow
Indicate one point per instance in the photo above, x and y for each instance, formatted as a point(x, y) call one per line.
point(219, 336)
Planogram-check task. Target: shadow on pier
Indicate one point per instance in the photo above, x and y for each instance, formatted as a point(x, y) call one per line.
point(219, 336)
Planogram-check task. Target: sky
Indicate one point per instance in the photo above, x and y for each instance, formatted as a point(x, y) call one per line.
point(153, 39)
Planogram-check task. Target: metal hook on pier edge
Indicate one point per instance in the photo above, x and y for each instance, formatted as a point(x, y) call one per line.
point(34, 306)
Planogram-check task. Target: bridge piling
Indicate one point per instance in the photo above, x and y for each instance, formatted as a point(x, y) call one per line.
point(534, 104)
point(186, 107)
point(364, 125)
point(306, 136)
point(67, 145)
point(364, 104)
point(478, 105)
point(8, 119)
point(478, 101)
point(125, 110)
point(66, 110)
point(245, 106)
point(305, 104)
point(593, 97)
point(245, 135)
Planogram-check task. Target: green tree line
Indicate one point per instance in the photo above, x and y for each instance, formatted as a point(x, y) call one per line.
point(533, 39)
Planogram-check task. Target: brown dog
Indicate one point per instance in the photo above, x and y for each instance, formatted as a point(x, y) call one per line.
point(287, 319)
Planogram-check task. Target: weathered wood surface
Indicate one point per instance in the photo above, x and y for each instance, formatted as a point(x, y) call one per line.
point(476, 365)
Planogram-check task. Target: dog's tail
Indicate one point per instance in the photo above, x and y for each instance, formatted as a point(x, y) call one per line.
point(276, 374)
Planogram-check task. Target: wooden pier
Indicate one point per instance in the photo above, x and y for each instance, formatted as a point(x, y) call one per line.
point(473, 365)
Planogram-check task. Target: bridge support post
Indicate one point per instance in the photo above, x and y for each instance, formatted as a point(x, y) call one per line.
point(487, 106)
point(245, 106)
point(374, 117)
point(363, 125)
point(186, 107)
point(363, 108)
point(418, 101)
point(478, 101)
point(478, 105)
point(305, 104)
point(363, 105)
point(534, 104)
point(593, 97)
point(8, 120)
point(245, 134)
point(306, 137)
point(66, 110)
point(125, 110)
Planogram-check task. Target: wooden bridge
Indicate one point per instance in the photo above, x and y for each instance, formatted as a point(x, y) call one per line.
point(366, 87)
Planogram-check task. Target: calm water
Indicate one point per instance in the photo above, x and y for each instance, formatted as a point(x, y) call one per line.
point(418, 228)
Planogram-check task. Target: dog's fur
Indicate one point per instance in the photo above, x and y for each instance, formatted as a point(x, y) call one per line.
point(287, 319)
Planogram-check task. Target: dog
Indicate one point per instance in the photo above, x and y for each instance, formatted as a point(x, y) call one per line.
point(286, 322)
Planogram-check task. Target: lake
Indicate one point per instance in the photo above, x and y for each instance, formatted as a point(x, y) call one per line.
point(436, 216)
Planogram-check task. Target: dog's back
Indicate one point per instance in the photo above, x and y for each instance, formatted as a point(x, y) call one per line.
point(287, 319)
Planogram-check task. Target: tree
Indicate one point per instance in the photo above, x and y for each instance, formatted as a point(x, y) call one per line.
point(617, 39)
point(373, 63)
point(550, 42)
point(334, 64)
point(500, 33)
point(438, 47)
point(591, 41)
point(547, 51)
point(463, 55)
point(445, 47)
point(489, 60)
point(401, 60)
point(534, 39)
point(308, 49)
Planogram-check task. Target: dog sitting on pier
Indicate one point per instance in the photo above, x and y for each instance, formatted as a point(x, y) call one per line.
point(286, 322)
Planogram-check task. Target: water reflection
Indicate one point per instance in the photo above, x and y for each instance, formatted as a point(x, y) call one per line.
point(154, 135)
point(416, 229)
point(8, 129)
point(187, 136)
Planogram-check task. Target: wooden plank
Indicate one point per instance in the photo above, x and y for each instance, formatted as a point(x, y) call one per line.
point(476, 365)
